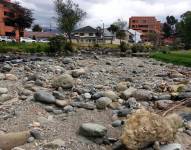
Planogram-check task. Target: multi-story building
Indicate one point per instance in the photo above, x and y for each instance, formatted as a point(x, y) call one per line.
point(7, 27)
point(145, 25)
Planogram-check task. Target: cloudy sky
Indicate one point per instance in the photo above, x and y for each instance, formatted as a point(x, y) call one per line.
point(108, 11)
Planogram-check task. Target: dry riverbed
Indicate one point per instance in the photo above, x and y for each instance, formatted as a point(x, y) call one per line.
point(54, 98)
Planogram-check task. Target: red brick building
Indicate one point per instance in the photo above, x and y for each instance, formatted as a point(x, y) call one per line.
point(6, 25)
point(145, 25)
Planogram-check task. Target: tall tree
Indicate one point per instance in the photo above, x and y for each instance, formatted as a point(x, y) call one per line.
point(37, 28)
point(69, 14)
point(113, 29)
point(169, 27)
point(23, 19)
point(184, 29)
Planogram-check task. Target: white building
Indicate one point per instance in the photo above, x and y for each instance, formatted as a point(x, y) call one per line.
point(135, 36)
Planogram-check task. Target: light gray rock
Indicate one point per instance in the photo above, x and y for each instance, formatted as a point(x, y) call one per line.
point(3, 90)
point(87, 96)
point(110, 94)
point(6, 67)
point(68, 109)
point(92, 130)
point(142, 95)
point(67, 60)
point(65, 81)
point(103, 102)
point(117, 123)
point(163, 104)
point(128, 93)
point(44, 97)
point(174, 146)
point(5, 97)
point(78, 72)
point(58, 95)
point(36, 134)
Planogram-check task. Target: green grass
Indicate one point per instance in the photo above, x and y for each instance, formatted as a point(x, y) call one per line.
point(174, 57)
point(24, 47)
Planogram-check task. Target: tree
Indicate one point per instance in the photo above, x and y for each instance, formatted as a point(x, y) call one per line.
point(121, 35)
point(23, 19)
point(169, 27)
point(154, 38)
point(184, 29)
point(69, 14)
point(113, 29)
point(118, 27)
point(37, 28)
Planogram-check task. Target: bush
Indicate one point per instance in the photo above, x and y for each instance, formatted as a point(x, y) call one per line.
point(68, 47)
point(138, 48)
point(123, 47)
point(57, 44)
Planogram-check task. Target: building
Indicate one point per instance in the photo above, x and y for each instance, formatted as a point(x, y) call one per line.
point(135, 36)
point(39, 35)
point(6, 24)
point(89, 35)
point(145, 25)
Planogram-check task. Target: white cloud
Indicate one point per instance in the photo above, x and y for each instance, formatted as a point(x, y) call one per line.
point(111, 10)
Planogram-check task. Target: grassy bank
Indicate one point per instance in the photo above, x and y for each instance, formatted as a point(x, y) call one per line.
point(175, 57)
point(23, 47)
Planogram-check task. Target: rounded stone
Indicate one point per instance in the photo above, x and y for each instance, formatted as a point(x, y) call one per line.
point(44, 97)
point(103, 102)
point(92, 130)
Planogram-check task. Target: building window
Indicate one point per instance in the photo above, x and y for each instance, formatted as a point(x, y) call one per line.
point(91, 34)
point(9, 14)
point(10, 33)
point(9, 22)
point(81, 34)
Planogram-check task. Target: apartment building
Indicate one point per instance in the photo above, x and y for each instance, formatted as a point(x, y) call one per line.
point(145, 25)
point(6, 24)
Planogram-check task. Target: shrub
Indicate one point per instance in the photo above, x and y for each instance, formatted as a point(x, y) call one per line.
point(96, 45)
point(68, 47)
point(56, 44)
point(123, 47)
point(138, 48)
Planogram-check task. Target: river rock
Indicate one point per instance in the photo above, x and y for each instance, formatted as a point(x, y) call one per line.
point(78, 72)
point(142, 95)
point(11, 77)
point(174, 146)
point(44, 97)
point(65, 81)
point(163, 104)
point(92, 130)
point(6, 67)
point(103, 102)
point(3, 91)
point(128, 93)
point(11, 140)
point(67, 60)
point(117, 123)
point(143, 128)
point(122, 86)
point(111, 95)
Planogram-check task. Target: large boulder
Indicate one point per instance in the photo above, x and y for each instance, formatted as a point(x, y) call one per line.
point(44, 97)
point(143, 128)
point(92, 130)
point(65, 81)
point(103, 102)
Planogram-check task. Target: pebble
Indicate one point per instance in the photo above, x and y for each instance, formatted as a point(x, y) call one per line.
point(103, 102)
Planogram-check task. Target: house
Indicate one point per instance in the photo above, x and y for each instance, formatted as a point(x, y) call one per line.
point(89, 35)
point(7, 27)
point(135, 36)
point(145, 25)
point(86, 35)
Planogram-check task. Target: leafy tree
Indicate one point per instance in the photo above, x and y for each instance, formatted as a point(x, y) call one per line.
point(113, 29)
point(169, 26)
point(69, 14)
point(121, 35)
point(184, 29)
point(118, 27)
point(37, 28)
point(23, 19)
point(154, 38)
